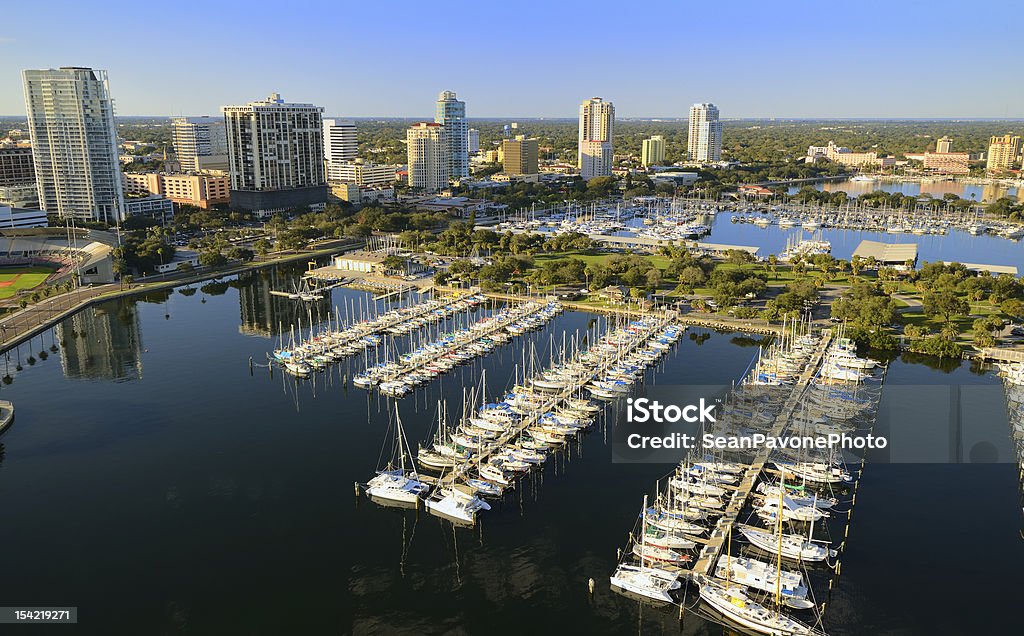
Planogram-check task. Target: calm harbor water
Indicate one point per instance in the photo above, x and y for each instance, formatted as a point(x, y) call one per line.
point(156, 484)
point(955, 246)
point(983, 193)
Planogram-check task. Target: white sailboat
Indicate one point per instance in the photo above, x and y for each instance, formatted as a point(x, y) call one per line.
point(650, 583)
point(398, 482)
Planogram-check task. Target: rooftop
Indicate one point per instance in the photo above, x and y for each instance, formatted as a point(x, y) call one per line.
point(887, 252)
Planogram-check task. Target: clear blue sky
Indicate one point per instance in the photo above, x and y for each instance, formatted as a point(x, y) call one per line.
point(897, 58)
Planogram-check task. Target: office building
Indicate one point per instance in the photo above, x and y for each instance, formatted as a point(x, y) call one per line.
point(365, 173)
point(203, 190)
point(451, 114)
point(474, 141)
point(16, 166)
point(704, 142)
point(520, 155)
point(152, 205)
point(276, 156)
point(74, 143)
point(943, 145)
point(595, 150)
point(200, 143)
point(340, 145)
point(653, 151)
point(427, 150)
point(1002, 152)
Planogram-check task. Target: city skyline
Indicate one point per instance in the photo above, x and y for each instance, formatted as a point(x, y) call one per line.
point(757, 61)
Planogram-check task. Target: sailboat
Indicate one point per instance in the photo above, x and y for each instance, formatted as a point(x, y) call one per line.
point(398, 482)
point(650, 583)
point(734, 604)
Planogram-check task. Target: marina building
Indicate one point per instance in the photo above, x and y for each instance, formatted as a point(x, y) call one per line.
point(895, 255)
point(200, 143)
point(450, 113)
point(426, 149)
point(340, 146)
point(595, 150)
point(520, 155)
point(704, 142)
point(1002, 152)
point(74, 143)
point(652, 152)
point(276, 155)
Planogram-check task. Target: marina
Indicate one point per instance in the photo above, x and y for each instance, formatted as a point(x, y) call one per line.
point(285, 450)
point(807, 385)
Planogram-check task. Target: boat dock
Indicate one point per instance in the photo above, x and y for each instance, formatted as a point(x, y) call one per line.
point(709, 554)
point(463, 471)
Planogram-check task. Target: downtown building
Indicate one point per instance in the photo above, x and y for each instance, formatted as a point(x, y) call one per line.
point(427, 148)
point(595, 151)
point(1002, 152)
point(276, 156)
point(200, 143)
point(704, 142)
point(74, 143)
point(365, 173)
point(945, 161)
point(341, 146)
point(652, 152)
point(520, 156)
point(450, 113)
point(204, 190)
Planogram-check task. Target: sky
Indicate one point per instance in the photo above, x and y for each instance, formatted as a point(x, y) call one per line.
point(813, 59)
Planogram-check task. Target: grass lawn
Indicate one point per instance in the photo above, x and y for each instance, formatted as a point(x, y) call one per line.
point(14, 279)
point(661, 262)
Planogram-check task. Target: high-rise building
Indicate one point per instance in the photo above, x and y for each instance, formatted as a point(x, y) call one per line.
point(427, 149)
point(945, 144)
point(1002, 152)
point(451, 113)
point(340, 145)
point(705, 139)
point(16, 166)
point(595, 151)
point(276, 155)
point(520, 155)
point(200, 143)
point(653, 151)
point(474, 141)
point(74, 143)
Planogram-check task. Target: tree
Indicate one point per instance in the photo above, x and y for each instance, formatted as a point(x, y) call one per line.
point(212, 259)
point(262, 247)
point(945, 303)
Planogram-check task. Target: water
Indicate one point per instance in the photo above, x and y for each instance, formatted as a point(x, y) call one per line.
point(153, 482)
point(982, 193)
point(954, 246)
